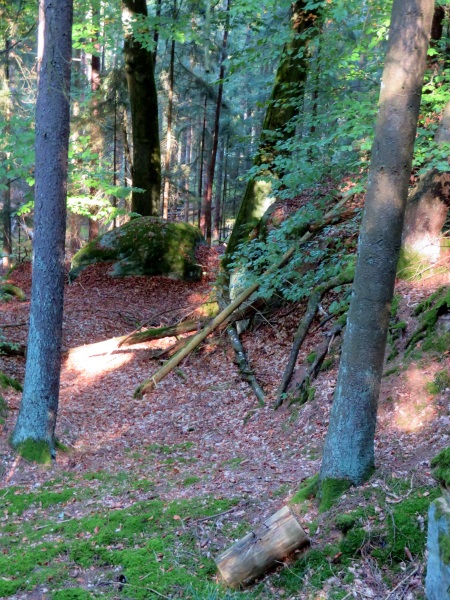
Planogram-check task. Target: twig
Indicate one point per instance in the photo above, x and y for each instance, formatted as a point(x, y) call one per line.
point(413, 572)
point(52, 524)
point(14, 325)
point(140, 587)
point(225, 512)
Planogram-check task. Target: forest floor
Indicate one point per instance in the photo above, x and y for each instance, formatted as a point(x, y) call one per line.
point(200, 445)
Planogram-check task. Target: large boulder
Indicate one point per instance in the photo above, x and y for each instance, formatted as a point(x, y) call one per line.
point(145, 246)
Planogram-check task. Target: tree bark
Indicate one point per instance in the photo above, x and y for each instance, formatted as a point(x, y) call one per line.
point(283, 106)
point(146, 166)
point(35, 425)
point(349, 446)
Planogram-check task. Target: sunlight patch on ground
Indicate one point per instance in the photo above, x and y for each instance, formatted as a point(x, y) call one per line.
point(415, 405)
point(96, 359)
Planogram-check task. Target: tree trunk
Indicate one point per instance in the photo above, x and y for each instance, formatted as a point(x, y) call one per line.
point(201, 157)
point(206, 223)
point(349, 446)
point(146, 167)
point(166, 191)
point(6, 212)
point(94, 125)
point(283, 106)
point(33, 435)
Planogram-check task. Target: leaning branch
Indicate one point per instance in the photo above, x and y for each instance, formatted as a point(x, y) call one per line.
point(159, 375)
point(305, 324)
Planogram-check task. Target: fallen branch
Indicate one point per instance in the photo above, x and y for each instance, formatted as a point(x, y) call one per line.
point(158, 333)
point(243, 365)
point(151, 383)
point(305, 324)
point(301, 387)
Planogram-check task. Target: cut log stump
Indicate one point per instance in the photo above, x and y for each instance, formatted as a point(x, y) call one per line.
point(258, 551)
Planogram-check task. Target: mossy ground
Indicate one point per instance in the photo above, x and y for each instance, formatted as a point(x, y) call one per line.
point(379, 524)
point(150, 545)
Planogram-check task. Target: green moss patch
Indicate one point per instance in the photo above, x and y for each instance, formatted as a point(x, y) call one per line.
point(145, 246)
point(307, 491)
point(37, 451)
point(331, 490)
point(377, 529)
point(150, 545)
point(429, 311)
point(441, 467)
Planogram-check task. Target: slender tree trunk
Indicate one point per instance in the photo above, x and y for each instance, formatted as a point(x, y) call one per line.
point(283, 106)
point(201, 157)
point(349, 446)
point(95, 130)
point(166, 192)
point(35, 427)
point(218, 196)
point(6, 212)
point(146, 166)
point(207, 200)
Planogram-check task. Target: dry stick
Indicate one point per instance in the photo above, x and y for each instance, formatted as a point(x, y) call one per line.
point(403, 581)
point(151, 383)
point(242, 362)
point(14, 325)
point(152, 318)
point(158, 333)
point(305, 324)
point(159, 375)
point(322, 350)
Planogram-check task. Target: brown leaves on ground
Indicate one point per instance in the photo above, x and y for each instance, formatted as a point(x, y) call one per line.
point(220, 442)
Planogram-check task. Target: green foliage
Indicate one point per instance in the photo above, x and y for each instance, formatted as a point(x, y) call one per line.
point(310, 266)
point(441, 467)
point(441, 381)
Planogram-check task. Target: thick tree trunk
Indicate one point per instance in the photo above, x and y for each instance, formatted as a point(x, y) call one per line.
point(35, 427)
point(283, 106)
point(349, 446)
point(146, 167)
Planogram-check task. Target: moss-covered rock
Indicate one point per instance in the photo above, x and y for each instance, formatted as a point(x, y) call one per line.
point(145, 246)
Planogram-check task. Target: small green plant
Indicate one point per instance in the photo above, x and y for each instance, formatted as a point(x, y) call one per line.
point(441, 382)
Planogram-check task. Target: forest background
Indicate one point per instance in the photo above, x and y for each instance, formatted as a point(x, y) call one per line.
point(215, 74)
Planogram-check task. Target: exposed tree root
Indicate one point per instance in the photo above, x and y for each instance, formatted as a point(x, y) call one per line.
point(305, 324)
